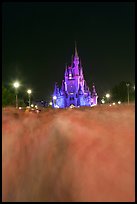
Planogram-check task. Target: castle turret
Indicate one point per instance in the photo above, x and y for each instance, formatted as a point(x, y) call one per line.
point(55, 89)
point(76, 61)
point(63, 86)
point(72, 61)
point(66, 71)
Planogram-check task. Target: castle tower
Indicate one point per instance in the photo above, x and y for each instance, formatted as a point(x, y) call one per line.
point(76, 61)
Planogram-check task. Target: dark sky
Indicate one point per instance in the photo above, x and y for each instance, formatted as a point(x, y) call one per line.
point(38, 40)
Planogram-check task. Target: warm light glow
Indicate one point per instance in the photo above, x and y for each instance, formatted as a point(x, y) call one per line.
point(29, 91)
point(107, 95)
point(16, 84)
point(32, 105)
point(50, 103)
point(127, 84)
point(36, 106)
point(134, 87)
point(20, 108)
point(103, 101)
point(54, 97)
point(119, 102)
point(72, 106)
point(110, 105)
point(113, 103)
point(56, 106)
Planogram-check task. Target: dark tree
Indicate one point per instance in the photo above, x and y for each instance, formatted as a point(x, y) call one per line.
point(120, 92)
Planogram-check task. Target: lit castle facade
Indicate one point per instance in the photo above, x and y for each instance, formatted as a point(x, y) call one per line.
point(74, 90)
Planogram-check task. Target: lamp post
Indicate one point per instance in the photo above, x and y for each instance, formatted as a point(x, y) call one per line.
point(107, 96)
point(127, 92)
point(29, 93)
point(16, 85)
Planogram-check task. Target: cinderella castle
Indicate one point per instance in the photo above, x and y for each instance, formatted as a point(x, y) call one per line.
point(74, 90)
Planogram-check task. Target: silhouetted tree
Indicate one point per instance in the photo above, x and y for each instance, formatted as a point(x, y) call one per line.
point(8, 97)
point(120, 93)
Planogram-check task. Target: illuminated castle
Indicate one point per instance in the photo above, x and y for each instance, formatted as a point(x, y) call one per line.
point(74, 90)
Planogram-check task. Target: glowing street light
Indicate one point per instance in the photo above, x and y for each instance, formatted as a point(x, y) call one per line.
point(113, 103)
point(50, 103)
point(103, 101)
point(107, 95)
point(16, 85)
point(29, 93)
point(119, 102)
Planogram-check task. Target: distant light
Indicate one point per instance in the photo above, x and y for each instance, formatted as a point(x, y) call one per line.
point(56, 106)
point(16, 84)
point(50, 103)
point(127, 84)
point(54, 97)
point(36, 106)
point(110, 105)
point(134, 87)
point(103, 101)
point(71, 106)
point(113, 103)
point(29, 91)
point(107, 95)
point(119, 102)
point(32, 105)
point(20, 108)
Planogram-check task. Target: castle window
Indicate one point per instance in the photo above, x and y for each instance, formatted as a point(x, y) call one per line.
point(71, 98)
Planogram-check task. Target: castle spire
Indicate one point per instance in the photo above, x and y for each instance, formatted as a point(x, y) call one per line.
point(93, 88)
point(76, 52)
point(72, 61)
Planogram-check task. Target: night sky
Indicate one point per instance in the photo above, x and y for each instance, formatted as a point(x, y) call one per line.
point(38, 40)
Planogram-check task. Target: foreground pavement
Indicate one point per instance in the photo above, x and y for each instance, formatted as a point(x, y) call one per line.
point(85, 154)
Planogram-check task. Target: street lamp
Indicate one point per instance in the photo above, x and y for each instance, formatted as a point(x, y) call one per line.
point(107, 96)
point(16, 85)
point(127, 92)
point(119, 102)
point(50, 103)
point(103, 101)
point(29, 92)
